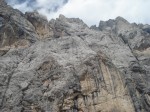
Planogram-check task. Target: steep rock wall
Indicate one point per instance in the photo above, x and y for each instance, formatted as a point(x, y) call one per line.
point(65, 66)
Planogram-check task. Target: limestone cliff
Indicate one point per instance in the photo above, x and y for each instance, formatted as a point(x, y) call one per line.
point(65, 66)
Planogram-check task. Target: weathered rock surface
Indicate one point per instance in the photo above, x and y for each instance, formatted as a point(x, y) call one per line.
point(40, 23)
point(65, 66)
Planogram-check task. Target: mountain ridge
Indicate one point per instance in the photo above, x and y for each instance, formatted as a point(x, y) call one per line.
point(62, 65)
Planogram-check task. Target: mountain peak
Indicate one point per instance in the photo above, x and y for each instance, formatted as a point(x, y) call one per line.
point(61, 16)
point(119, 18)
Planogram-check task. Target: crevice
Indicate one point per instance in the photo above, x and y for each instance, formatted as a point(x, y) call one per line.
point(127, 43)
point(8, 83)
point(7, 86)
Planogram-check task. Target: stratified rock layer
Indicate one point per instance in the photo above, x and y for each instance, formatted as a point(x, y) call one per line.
point(65, 66)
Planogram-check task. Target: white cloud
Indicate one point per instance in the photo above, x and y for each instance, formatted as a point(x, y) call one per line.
point(92, 11)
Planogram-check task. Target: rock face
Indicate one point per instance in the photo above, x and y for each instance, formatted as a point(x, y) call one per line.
point(15, 29)
point(65, 66)
point(40, 23)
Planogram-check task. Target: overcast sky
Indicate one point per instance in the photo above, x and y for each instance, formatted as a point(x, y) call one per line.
point(90, 11)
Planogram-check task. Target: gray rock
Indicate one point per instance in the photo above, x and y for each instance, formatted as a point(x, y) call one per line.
point(1, 22)
point(15, 27)
point(40, 23)
point(71, 67)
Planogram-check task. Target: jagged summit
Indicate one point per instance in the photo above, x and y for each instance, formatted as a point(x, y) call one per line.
point(62, 65)
point(111, 24)
point(121, 19)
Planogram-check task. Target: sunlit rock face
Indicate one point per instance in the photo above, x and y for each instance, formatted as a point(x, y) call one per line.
point(63, 65)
